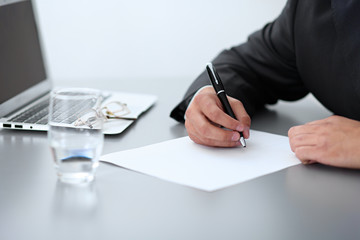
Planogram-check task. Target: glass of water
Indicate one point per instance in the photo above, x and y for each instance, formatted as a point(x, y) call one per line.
point(75, 133)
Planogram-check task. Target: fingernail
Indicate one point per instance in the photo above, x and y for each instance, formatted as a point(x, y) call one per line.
point(235, 137)
point(307, 162)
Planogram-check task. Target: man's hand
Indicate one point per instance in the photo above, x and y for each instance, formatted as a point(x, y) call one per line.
point(333, 141)
point(205, 115)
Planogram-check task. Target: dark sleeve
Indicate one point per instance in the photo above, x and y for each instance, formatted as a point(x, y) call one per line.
point(260, 71)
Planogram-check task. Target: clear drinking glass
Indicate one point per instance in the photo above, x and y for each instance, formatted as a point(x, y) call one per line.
point(75, 133)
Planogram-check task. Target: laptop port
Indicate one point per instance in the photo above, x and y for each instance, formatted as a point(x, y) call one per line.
point(18, 126)
point(6, 125)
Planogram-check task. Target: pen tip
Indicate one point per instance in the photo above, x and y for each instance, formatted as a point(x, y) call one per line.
point(243, 143)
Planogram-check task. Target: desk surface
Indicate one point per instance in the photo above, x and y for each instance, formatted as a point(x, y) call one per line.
point(301, 202)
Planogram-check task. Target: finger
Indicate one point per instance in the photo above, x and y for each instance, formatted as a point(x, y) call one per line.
point(206, 133)
point(209, 104)
point(201, 130)
point(304, 129)
point(307, 154)
point(216, 115)
point(206, 111)
point(301, 140)
point(242, 116)
point(214, 143)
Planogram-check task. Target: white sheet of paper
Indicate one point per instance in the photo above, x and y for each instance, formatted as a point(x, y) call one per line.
point(185, 162)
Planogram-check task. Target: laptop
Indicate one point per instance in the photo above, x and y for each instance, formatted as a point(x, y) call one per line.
point(24, 85)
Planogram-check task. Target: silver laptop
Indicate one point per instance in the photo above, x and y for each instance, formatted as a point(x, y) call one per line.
point(24, 86)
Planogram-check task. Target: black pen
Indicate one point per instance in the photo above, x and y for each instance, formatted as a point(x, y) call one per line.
point(220, 92)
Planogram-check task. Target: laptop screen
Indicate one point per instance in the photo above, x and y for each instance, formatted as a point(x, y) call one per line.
point(21, 61)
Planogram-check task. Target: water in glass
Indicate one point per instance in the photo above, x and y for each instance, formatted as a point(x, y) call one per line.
point(76, 152)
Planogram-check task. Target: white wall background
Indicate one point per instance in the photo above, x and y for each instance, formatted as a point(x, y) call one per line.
point(117, 40)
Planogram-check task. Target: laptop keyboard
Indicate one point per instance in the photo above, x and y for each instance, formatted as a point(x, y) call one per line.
point(38, 114)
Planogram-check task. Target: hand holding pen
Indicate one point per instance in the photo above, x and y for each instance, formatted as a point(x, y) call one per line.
point(220, 92)
point(205, 115)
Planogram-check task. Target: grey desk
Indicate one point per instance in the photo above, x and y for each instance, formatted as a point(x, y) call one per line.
point(301, 202)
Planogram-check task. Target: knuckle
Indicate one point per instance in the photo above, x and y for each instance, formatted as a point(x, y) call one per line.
point(337, 119)
point(246, 120)
point(292, 147)
point(213, 113)
point(239, 104)
point(203, 131)
point(194, 139)
point(235, 102)
point(208, 104)
point(293, 144)
point(207, 90)
point(187, 124)
point(323, 141)
point(202, 98)
point(188, 113)
point(291, 132)
point(334, 117)
point(302, 155)
point(299, 154)
point(197, 99)
point(299, 138)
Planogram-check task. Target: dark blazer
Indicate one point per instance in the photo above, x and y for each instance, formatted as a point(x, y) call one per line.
point(313, 46)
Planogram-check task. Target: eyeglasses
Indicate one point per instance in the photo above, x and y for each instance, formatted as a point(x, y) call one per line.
point(112, 110)
point(116, 109)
